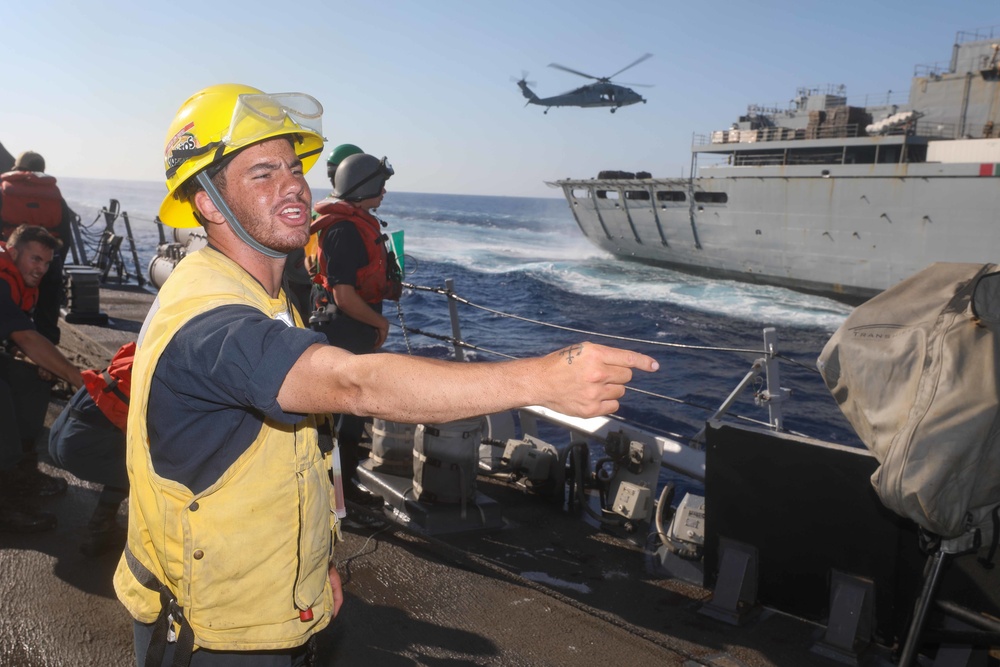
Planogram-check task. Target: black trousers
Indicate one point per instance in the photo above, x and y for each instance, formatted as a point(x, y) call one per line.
point(51, 295)
point(24, 400)
point(296, 657)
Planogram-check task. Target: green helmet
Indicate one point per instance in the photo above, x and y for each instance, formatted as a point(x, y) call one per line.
point(361, 177)
point(337, 156)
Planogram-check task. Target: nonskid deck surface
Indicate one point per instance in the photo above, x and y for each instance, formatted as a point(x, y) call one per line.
point(548, 589)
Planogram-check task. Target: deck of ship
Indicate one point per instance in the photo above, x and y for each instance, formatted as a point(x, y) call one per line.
point(548, 589)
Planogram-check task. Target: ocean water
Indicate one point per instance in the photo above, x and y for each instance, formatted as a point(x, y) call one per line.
point(527, 257)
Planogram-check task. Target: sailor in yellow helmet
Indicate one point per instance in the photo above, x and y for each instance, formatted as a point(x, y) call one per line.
point(231, 523)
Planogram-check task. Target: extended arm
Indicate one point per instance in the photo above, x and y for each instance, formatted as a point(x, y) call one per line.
point(40, 350)
point(583, 380)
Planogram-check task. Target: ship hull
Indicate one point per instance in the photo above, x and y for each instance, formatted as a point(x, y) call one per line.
point(844, 231)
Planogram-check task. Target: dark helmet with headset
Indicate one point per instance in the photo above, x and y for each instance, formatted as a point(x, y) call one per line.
point(360, 177)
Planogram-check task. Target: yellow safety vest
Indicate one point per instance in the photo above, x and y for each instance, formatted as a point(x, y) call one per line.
point(247, 558)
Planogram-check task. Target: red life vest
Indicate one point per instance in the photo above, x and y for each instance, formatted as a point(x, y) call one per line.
point(112, 387)
point(372, 281)
point(25, 297)
point(29, 198)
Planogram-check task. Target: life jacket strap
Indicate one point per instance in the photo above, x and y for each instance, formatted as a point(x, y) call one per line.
point(112, 387)
point(170, 612)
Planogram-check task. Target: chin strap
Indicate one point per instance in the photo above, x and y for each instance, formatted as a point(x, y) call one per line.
point(206, 183)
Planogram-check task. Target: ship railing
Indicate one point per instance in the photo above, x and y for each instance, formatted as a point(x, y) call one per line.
point(931, 128)
point(824, 157)
point(682, 454)
point(745, 139)
point(100, 247)
point(886, 99)
point(931, 71)
point(977, 34)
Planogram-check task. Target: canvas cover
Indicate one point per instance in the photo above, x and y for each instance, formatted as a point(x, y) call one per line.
point(446, 460)
point(392, 447)
point(914, 370)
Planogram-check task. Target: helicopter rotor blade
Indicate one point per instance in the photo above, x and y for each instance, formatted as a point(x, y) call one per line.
point(636, 85)
point(573, 71)
point(645, 56)
point(523, 79)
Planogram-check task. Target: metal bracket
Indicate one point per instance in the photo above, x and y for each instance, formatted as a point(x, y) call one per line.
point(852, 612)
point(734, 599)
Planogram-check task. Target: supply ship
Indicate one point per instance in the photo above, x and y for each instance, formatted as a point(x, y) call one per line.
point(823, 197)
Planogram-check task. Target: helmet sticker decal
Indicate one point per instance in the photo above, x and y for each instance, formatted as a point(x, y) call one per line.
point(182, 142)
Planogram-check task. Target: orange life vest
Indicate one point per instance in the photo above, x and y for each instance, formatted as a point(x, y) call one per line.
point(25, 297)
point(373, 282)
point(112, 387)
point(29, 198)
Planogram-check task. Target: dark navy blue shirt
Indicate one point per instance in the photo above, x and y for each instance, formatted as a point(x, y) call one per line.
point(12, 318)
point(214, 384)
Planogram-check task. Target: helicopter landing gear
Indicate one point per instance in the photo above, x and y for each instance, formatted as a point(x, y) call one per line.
point(615, 109)
point(546, 111)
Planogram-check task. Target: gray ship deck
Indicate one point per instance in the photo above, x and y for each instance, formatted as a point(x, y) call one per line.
point(549, 589)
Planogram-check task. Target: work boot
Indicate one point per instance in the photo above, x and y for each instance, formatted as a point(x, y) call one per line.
point(15, 519)
point(25, 479)
point(103, 532)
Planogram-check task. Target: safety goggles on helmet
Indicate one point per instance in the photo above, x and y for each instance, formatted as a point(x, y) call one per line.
point(384, 169)
point(257, 116)
point(261, 115)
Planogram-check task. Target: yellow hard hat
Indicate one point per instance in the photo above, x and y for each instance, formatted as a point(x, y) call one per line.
point(222, 119)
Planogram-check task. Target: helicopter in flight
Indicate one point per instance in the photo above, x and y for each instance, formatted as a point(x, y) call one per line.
point(602, 93)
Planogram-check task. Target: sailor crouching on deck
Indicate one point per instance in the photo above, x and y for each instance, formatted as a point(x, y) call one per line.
point(231, 522)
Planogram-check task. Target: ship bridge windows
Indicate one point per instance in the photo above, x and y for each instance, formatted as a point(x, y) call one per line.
point(606, 194)
point(711, 197)
point(759, 159)
point(580, 194)
point(642, 195)
point(670, 195)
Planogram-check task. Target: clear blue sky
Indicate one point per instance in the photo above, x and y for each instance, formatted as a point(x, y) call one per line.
point(93, 85)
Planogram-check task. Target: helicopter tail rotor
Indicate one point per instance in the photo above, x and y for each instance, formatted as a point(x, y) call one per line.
point(523, 79)
point(524, 84)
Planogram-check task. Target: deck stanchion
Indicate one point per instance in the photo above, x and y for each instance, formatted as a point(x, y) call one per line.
point(774, 395)
point(456, 331)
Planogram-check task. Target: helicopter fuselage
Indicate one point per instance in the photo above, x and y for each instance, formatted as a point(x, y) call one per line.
point(591, 95)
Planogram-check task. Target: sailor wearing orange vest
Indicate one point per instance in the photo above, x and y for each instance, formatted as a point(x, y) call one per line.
point(25, 387)
point(355, 274)
point(28, 196)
